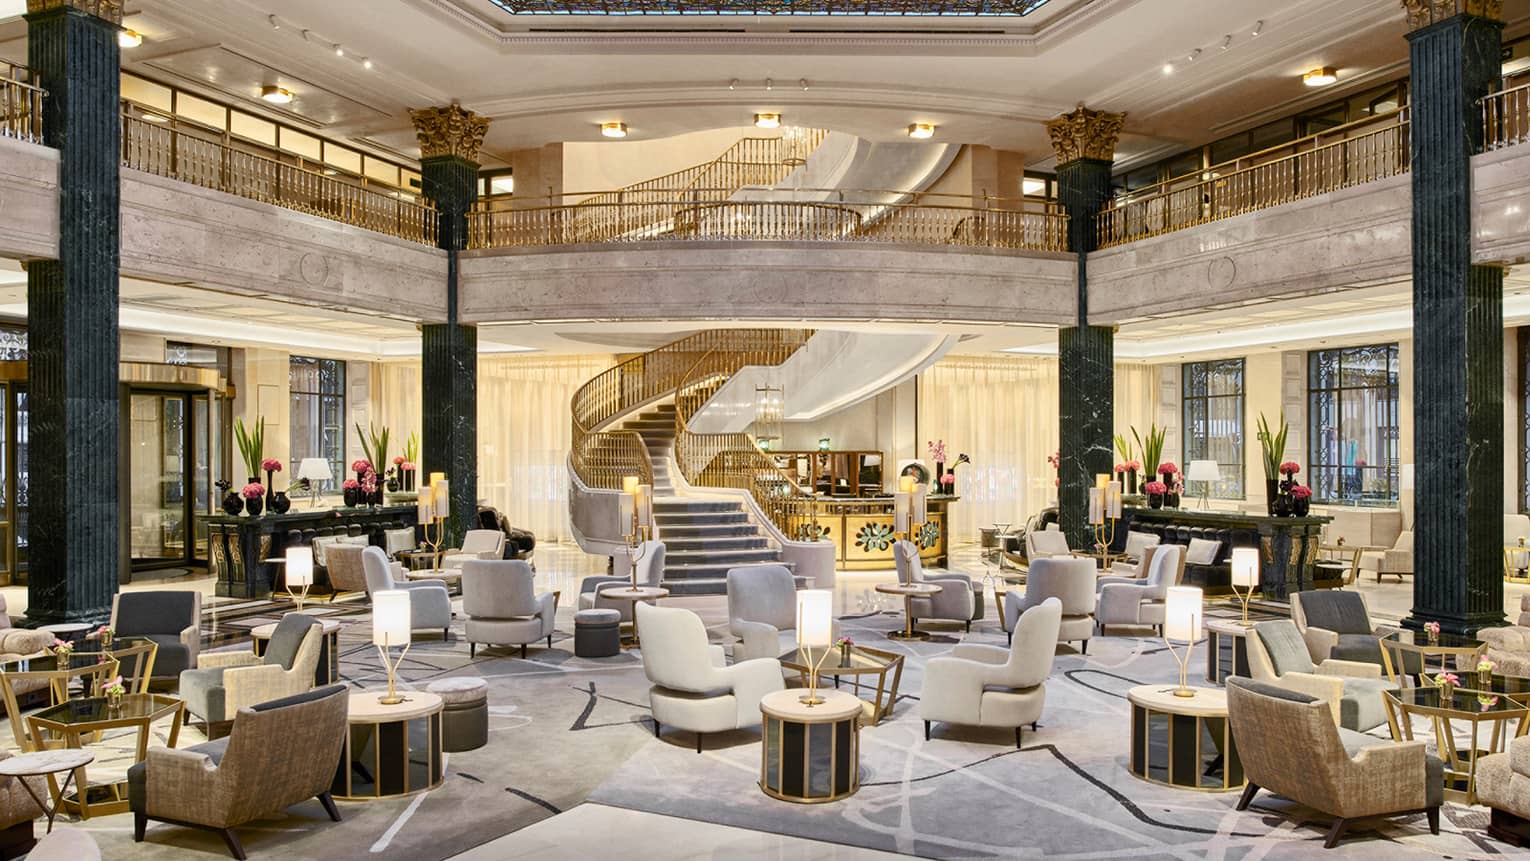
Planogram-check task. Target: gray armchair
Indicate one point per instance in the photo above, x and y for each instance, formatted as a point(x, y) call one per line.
point(1071, 583)
point(981, 685)
point(502, 606)
point(762, 611)
point(1336, 624)
point(650, 571)
point(430, 604)
point(956, 601)
point(1142, 603)
point(278, 754)
point(226, 682)
point(1289, 746)
point(172, 618)
point(1277, 655)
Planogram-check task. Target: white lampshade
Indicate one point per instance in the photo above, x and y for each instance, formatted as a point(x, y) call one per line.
point(1113, 499)
point(1096, 506)
point(299, 566)
point(1182, 614)
point(920, 509)
point(906, 484)
point(902, 505)
point(1245, 567)
point(441, 490)
point(436, 477)
point(1203, 470)
point(314, 469)
point(390, 617)
point(644, 500)
point(426, 506)
point(815, 618)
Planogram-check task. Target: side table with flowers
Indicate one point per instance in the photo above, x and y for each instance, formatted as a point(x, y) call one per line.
point(113, 690)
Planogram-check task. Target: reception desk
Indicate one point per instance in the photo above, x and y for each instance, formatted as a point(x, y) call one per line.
point(862, 531)
point(239, 546)
point(1288, 546)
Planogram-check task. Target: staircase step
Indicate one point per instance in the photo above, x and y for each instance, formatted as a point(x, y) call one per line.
point(719, 556)
point(683, 505)
point(717, 543)
point(676, 573)
point(707, 530)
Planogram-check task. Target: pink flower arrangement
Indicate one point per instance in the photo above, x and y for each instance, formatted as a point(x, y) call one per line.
point(62, 647)
point(103, 631)
point(350, 484)
point(1301, 491)
point(398, 461)
point(271, 464)
point(1120, 468)
point(1155, 488)
point(369, 482)
point(948, 478)
point(1432, 628)
point(937, 450)
point(1447, 679)
point(844, 641)
point(1179, 487)
point(114, 687)
point(253, 490)
point(1129, 466)
point(1290, 468)
point(1057, 482)
point(407, 466)
point(361, 465)
point(1168, 468)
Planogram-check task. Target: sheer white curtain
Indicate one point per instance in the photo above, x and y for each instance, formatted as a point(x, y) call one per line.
point(1136, 400)
point(523, 430)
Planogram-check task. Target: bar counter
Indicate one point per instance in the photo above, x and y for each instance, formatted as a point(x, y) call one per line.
point(1288, 546)
point(239, 546)
point(862, 530)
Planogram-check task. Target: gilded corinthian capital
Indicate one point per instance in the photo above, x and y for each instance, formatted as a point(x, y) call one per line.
point(449, 131)
point(1422, 13)
point(1085, 134)
point(107, 10)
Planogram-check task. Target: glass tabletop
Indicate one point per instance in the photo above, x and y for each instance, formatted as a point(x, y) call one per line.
point(95, 709)
point(861, 660)
point(1446, 640)
point(1463, 700)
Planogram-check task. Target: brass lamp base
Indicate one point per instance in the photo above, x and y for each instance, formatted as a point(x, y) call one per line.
point(392, 699)
point(908, 635)
point(1184, 692)
point(811, 700)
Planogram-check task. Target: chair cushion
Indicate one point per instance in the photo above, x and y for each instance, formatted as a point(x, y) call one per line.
point(1362, 707)
point(1268, 690)
point(460, 689)
point(1050, 542)
point(1202, 552)
point(165, 611)
point(172, 657)
point(1434, 767)
point(597, 617)
point(204, 693)
point(137, 775)
point(287, 639)
point(1287, 650)
point(1337, 611)
point(1365, 648)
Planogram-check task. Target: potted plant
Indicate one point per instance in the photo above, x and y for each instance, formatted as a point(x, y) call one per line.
point(271, 466)
point(254, 495)
point(1272, 445)
point(1301, 500)
point(252, 444)
point(1155, 491)
point(351, 491)
point(1485, 669)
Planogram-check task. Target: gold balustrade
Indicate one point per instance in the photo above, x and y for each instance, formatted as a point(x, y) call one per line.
point(21, 103)
point(187, 157)
point(801, 214)
point(1364, 151)
point(1506, 118)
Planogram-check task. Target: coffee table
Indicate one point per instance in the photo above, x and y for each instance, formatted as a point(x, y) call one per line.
point(67, 723)
point(421, 558)
point(1411, 650)
point(641, 593)
point(1474, 708)
point(390, 749)
point(452, 577)
point(909, 591)
point(862, 661)
point(47, 763)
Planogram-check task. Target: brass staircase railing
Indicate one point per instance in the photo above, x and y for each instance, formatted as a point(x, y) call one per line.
point(1506, 117)
point(21, 103)
point(601, 458)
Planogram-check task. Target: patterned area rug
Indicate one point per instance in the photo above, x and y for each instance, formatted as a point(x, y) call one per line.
point(564, 730)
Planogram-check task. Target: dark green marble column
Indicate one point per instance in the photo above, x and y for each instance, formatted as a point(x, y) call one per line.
point(73, 528)
point(1085, 141)
point(1458, 329)
point(449, 142)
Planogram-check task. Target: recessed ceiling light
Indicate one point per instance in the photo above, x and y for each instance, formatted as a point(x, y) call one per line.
point(921, 131)
point(366, 63)
point(1258, 28)
point(128, 38)
point(339, 51)
point(276, 95)
point(767, 121)
point(1321, 77)
point(1168, 68)
point(614, 130)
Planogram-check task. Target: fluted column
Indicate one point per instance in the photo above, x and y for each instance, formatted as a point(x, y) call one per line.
point(1085, 143)
point(74, 533)
point(449, 141)
point(1458, 324)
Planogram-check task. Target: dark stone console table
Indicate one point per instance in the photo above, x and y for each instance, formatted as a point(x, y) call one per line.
point(1288, 545)
point(238, 547)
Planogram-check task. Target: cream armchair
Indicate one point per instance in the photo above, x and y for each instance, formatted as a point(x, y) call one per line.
point(1277, 655)
point(650, 571)
point(1069, 581)
point(1046, 544)
point(762, 611)
point(693, 687)
point(502, 605)
point(1142, 603)
point(484, 544)
point(226, 682)
point(980, 685)
point(1137, 551)
point(1397, 561)
point(20, 642)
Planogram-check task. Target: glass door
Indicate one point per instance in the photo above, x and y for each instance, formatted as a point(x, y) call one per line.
point(158, 441)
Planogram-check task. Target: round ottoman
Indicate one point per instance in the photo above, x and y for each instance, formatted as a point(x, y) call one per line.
point(597, 633)
point(465, 712)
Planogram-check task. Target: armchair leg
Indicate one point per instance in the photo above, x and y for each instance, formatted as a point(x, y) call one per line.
point(140, 823)
point(1247, 797)
point(1083, 647)
point(926, 730)
point(329, 806)
point(549, 641)
point(655, 729)
point(969, 627)
point(472, 650)
point(1433, 814)
point(1009, 638)
point(698, 742)
point(1019, 734)
point(235, 848)
point(523, 651)
point(1335, 833)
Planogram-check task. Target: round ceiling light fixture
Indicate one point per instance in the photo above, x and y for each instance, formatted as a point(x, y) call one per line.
point(613, 130)
point(1321, 77)
point(767, 121)
point(129, 38)
point(276, 95)
point(921, 131)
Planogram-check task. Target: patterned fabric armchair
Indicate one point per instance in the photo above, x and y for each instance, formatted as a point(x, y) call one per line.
point(1278, 656)
point(172, 618)
point(1503, 784)
point(1290, 746)
point(20, 641)
point(1508, 647)
point(956, 601)
point(278, 754)
point(229, 681)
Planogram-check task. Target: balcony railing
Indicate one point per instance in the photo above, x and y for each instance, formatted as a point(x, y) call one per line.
point(1365, 151)
point(181, 155)
point(20, 104)
point(805, 214)
point(1506, 118)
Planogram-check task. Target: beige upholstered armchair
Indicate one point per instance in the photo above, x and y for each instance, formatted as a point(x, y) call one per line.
point(1396, 561)
point(980, 685)
point(484, 544)
point(1508, 647)
point(278, 754)
point(1045, 544)
point(1137, 551)
point(1503, 784)
point(1278, 656)
point(229, 681)
point(1289, 746)
point(1069, 581)
point(20, 641)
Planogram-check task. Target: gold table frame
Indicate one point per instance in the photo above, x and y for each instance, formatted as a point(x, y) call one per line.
point(776, 717)
point(1389, 645)
point(1441, 717)
point(886, 698)
point(72, 735)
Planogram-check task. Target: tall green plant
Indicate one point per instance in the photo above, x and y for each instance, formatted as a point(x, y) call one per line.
point(1152, 447)
point(412, 448)
point(1273, 446)
point(1124, 447)
point(252, 443)
point(374, 444)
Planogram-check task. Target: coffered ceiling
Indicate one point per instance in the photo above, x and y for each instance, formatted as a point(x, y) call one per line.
point(988, 80)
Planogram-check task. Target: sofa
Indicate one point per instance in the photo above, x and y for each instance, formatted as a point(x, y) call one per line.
point(1508, 647)
point(1396, 561)
point(1213, 577)
point(1503, 784)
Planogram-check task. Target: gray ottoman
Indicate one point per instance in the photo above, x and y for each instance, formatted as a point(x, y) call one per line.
point(465, 712)
point(597, 633)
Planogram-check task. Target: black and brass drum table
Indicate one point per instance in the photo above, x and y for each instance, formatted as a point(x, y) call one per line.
point(811, 754)
point(390, 749)
point(1184, 742)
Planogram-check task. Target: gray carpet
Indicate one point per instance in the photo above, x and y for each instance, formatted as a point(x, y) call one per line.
point(564, 730)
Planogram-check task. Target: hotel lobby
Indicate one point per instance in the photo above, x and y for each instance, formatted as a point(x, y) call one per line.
point(488, 429)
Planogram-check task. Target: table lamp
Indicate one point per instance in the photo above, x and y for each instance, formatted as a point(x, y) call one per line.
point(299, 573)
point(1245, 573)
point(391, 627)
point(1182, 614)
point(315, 470)
point(1204, 471)
point(815, 630)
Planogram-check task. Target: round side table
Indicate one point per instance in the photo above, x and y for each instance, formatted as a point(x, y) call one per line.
point(909, 591)
point(327, 672)
point(1183, 742)
point(46, 764)
point(810, 754)
point(1226, 649)
point(390, 750)
point(641, 593)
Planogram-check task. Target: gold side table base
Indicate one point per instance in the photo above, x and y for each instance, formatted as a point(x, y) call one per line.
point(908, 635)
